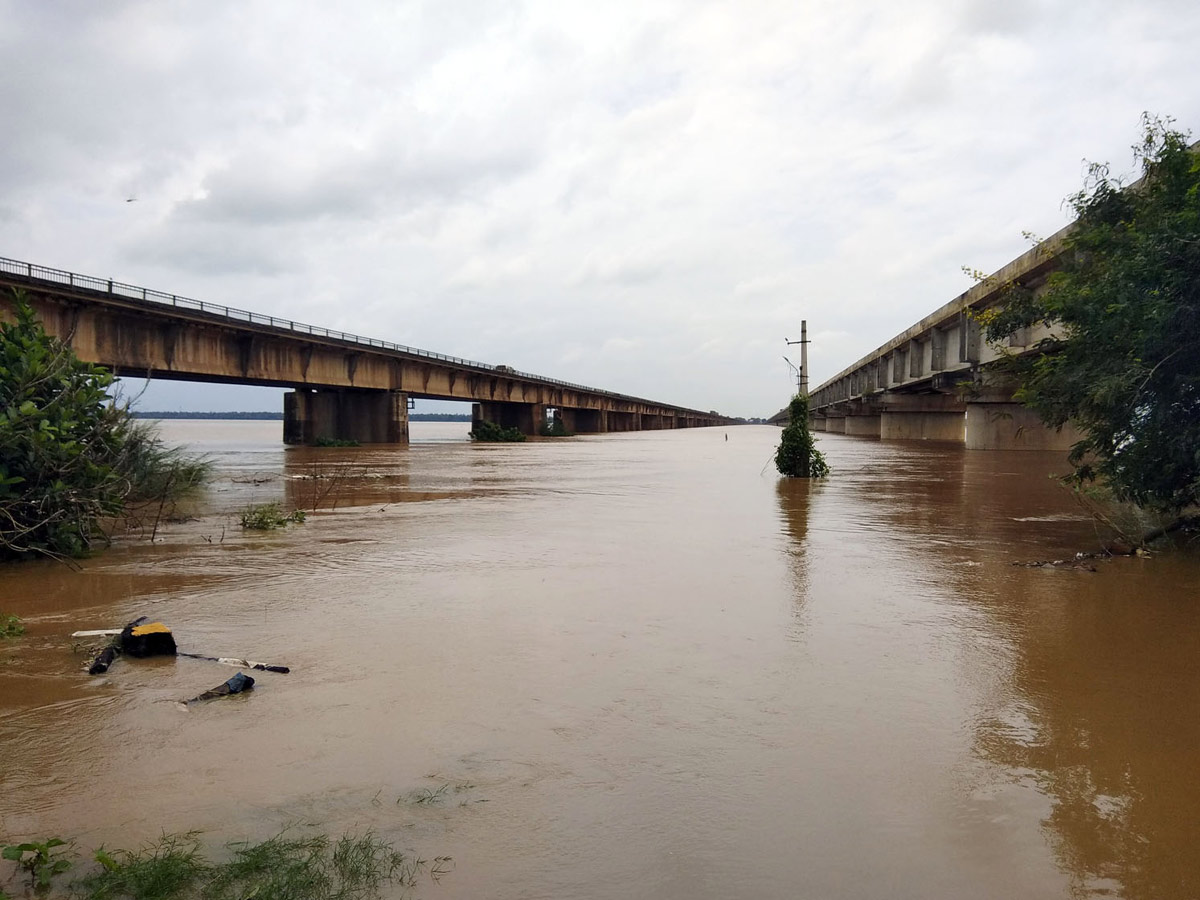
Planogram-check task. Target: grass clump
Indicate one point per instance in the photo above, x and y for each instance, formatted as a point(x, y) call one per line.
point(490, 432)
point(266, 516)
point(169, 868)
point(354, 867)
point(11, 626)
point(335, 442)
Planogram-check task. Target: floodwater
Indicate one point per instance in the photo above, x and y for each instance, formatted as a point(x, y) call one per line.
point(632, 665)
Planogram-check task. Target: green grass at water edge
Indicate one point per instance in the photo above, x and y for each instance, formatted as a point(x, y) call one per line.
point(285, 867)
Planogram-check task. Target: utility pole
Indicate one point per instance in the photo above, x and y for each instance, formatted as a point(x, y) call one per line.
point(802, 384)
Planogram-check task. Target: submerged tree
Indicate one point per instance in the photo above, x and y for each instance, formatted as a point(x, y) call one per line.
point(1124, 362)
point(797, 457)
point(69, 454)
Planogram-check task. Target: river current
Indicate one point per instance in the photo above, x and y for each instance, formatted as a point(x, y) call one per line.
point(633, 665)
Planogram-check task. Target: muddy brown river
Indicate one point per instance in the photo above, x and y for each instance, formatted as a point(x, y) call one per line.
point(631, 666)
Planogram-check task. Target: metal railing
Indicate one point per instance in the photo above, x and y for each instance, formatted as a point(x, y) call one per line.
point(35, 272)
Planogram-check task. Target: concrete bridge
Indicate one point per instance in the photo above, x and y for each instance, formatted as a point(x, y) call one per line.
point(343, 386)
point(933, 382)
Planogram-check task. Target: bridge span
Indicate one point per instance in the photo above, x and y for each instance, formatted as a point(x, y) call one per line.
point(933, 381)
point(343, 386)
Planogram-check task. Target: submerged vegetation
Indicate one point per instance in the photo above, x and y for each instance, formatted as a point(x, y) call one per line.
point(490, 432)
point(266, 516)
point(797, 456)
point(11, 626)
point(70, 455)
point(285, 867)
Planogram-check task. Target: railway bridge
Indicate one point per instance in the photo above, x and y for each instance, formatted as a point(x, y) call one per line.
point(934, 381)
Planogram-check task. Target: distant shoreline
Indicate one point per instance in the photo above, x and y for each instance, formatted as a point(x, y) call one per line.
point(268, 416)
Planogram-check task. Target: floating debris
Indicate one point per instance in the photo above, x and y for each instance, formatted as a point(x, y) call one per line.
point(141, 639)
point(240, 663)
point(1077, 564)
point(234, 685)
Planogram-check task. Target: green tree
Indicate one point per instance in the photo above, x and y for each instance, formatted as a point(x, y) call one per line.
point(69, 454)
point(1123, 363)
point(796, 456)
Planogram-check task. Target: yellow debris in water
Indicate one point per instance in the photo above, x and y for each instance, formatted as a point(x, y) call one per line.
point(151, 628)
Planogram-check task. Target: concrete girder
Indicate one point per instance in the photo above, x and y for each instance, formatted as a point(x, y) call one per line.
point(333, 378)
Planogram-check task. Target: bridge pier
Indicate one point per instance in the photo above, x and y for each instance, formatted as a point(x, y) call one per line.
point(921, 426)
point(623, 421)
point(585, 421)
point(1011, 426)
point(365, 416)
point(864, 426)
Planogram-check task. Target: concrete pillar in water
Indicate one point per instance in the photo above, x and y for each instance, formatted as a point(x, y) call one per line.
point(818, 423)
point(922, 426)
point(835, 424)
point(1011, 426)
point(623, 421)
point(585, 421)
point(365, 416)
point(865, 426)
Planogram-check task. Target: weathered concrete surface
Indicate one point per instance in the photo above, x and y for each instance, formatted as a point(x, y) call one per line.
point(864, 426)
point(1011, 426)
point(338, 381)
point(922, 426)
point(368, 417)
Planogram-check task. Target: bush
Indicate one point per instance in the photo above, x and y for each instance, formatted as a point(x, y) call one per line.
point(490, 432)
point(1123, 361)
point(796, 456)
point(69, 454)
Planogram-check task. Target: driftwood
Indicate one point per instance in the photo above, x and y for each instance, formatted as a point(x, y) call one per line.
point(240, 663)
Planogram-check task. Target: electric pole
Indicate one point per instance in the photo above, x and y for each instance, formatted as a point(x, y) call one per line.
point(802, 384)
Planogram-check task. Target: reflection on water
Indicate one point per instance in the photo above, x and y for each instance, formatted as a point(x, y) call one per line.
point(666, 673)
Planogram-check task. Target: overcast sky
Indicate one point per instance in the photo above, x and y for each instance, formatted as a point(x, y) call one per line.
point(642, 196)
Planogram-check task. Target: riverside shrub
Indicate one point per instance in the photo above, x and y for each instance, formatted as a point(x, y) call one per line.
point(69, 454)
point(797, 457)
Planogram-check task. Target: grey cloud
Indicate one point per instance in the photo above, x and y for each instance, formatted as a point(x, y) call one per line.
point(641, 196)
point(205, 250)
point(256, 191)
